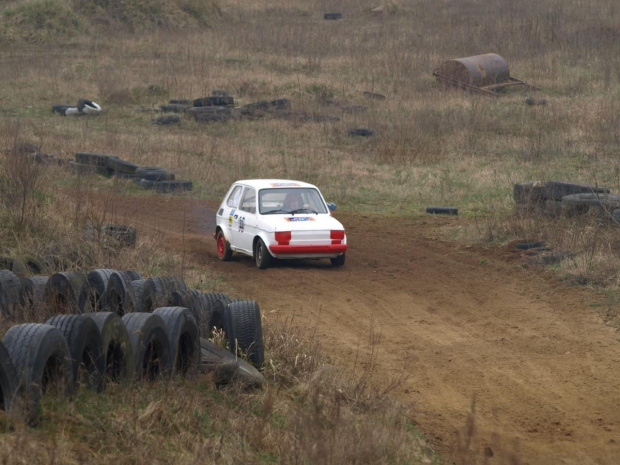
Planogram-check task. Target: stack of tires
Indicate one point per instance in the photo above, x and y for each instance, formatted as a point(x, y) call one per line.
point(555, 198)
point(148, 177)
point(114, 326)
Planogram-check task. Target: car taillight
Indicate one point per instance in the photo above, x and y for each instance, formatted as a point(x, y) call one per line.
point(336, 236)
point(283, 237)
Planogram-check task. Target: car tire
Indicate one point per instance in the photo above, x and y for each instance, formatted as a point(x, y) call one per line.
point(193, 300)
point(119, 296)
point(10, 294)
point(8, 379)
point(261, 255)
point(62, 291)
point(245, 331)
point(223, 247)
point(93, 289)
point(184, 338)
point(338, 261)
point(150, 345)
point(41, 359)
point(85, 348)
point(213, 313)
point(117, 351)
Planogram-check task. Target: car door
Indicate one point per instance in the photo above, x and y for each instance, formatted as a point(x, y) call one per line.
point(230, 213)
point(244, 226)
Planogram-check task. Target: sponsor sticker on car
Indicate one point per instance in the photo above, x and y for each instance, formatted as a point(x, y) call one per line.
point(284, 184)
point(300, 218)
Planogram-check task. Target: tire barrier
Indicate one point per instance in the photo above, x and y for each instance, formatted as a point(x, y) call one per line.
point(150, 345)
point(245, 333)
point(62, 291)
point(85, 349)
point(183, 336)
point(41, 359)
point(119, 364)
point(119, 296)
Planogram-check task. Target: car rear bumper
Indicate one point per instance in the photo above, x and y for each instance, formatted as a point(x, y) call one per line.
point(311, 250)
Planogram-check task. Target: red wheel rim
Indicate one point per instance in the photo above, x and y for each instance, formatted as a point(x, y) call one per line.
point(221, 245)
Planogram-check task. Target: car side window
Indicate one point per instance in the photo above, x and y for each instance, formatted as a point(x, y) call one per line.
point(248, 203)
point(233, 198)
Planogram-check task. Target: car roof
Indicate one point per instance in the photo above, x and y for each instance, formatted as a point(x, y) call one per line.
point(274, 183)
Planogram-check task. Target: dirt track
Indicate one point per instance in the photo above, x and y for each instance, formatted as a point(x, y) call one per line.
point(455, 323)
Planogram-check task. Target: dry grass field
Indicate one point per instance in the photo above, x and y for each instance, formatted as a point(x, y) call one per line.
point(430, 147)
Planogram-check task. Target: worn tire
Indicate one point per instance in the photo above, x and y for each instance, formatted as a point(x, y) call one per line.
point(138, 289)
point(150, 344)
point(33, 297)
point(94, 159)
point(125, 235)
point(246, 332)
point(153, 173)
point(93, 289)
point(119, 366)
point(10, 294)
point(157, 291)
point(442, 210)
point(85, 348)
point(119, 296)
point(16, 265)
point(121, 166)
point(213, 313)
point(165, 187)
point(62, 291)
point(193, 299)
point(8, 380)
point(557, 190)
point(184, 338)
point(42, 362)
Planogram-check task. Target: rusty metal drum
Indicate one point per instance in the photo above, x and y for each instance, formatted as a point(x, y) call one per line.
point(478, 70)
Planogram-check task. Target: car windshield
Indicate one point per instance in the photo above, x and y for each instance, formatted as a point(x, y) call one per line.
point(290, 201)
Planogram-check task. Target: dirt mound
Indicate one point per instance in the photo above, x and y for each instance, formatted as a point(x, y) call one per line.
point(498, 363)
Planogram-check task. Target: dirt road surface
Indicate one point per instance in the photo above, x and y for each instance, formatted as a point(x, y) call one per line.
point(473, 337)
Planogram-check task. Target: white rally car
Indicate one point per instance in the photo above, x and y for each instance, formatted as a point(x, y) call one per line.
point(277, 218)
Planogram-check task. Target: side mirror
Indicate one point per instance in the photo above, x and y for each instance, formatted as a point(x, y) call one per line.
point(331, 206)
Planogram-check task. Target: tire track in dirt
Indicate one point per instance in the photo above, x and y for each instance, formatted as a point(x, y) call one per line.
point(451, 323)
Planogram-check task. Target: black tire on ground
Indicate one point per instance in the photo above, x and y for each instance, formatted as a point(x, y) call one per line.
point(529, 192)
point(33, 265)
point(16, 265)
point(10, 294)
point(214, 101)
point(173, 108)
point(193, 299)
point(246, 333)
point(8, 380)
point(332, 16)
point(361, 132)
point(224, 251)
point(62, 291)
point(213, 313)
point(153, 173)
point(33, 295)
point(82, 103)
point(556, 190)
point(615, 217)
point(261, 255)
point(226, 367)
point(339, 260)
point(373, 95)
point(119, 296)
point(184, 338)
point(117, 350)
point(150, 344)
point(93, 289)
point(442, 210)
point(42, 362)
point(164, 187)
point(165, 120)
point(606, 201)
point(138, 289)
point(146, 184)
point(60, 109)
point(125, 235)
point(529, 245)
point(133, 275)
point(85, 348)
point(179, 101)
point(94, 159)
point(122, 166)
point(157, 291)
